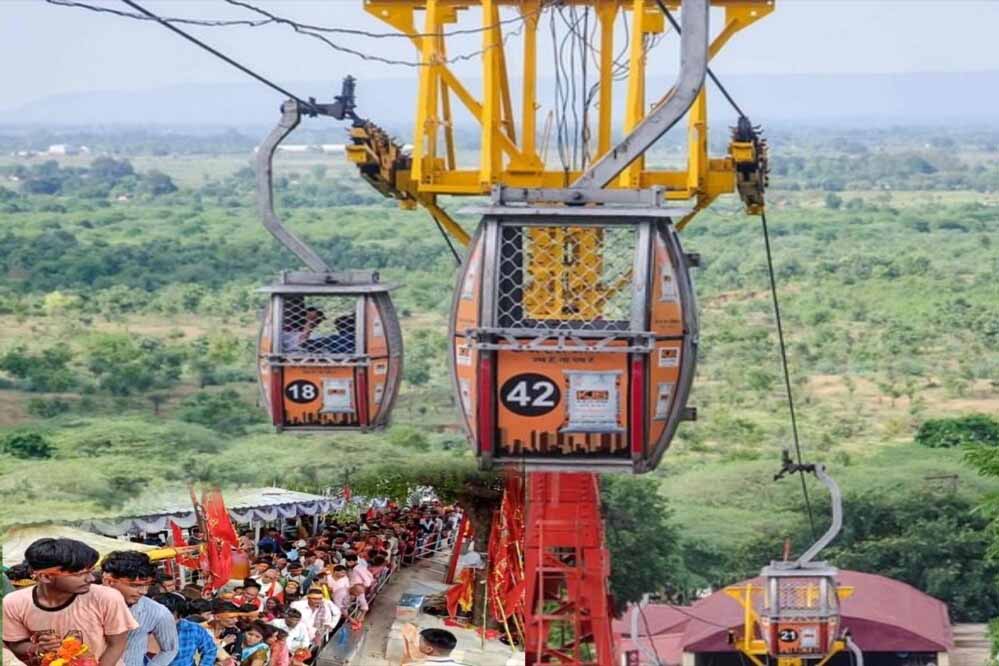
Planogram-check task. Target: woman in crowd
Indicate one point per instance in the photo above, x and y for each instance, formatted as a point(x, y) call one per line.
point(278, 644)
point(255, 651)
point(272, 610)
point(292, 591)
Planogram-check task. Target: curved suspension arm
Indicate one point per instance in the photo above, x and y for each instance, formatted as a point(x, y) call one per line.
point(290, 117)
point(690, 81)
point(858, 654)
point(837, 517)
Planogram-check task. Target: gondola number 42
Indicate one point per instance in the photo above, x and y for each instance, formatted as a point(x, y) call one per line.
point(530, 394)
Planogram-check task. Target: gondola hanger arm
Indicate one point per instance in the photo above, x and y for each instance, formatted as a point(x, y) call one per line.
point(291, 116)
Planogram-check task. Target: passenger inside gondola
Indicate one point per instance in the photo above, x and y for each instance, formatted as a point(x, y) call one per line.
point(303, 330)
point(343, 341)
point(299, 324)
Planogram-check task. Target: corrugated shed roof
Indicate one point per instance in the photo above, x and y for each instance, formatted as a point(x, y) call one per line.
point(17, 540)
point(238, 499)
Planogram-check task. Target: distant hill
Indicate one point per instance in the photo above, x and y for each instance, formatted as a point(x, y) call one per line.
point(927, 98)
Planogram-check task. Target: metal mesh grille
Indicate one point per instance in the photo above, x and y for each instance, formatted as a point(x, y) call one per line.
point(801, 595)
point(319, 325)
point(566, 278)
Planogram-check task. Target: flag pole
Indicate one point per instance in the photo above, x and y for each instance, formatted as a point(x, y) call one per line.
point(485, 610)
point(506, 626)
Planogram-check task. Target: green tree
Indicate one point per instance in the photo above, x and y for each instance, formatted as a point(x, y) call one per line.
point(833, 201)
point(224, 412)
point(971, 430)
point(158, 183)
point(27, 445)
point(111, 170)
point(408, 437)
point(126, 365)
point(643, 540)
point(47, 371)
point(935, 541)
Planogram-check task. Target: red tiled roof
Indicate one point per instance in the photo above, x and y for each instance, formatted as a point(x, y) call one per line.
point(661, 619)
point(668, 647)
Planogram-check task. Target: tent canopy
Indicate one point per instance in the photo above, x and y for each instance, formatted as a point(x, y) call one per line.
point(17, 540)
point(245, 505)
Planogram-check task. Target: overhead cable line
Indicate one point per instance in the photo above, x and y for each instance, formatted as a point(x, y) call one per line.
point(648, 633)
point(274, 18)
point(676, 26)
point(774, 296)
point(784, 366)
point(447, 239)
point(208, 23)
point(310, 106)
point(316, 33)
point(250, 23)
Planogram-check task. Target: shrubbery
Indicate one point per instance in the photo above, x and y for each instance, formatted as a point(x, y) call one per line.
point(224, 412)
point(972, 430)
point(26, 444)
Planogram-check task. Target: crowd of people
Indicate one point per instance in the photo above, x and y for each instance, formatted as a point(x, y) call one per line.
point(300, 590)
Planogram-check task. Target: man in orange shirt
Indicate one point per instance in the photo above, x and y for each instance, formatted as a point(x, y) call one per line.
point(63, 601)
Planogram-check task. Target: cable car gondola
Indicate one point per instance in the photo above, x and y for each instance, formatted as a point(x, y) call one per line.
point(330, 351)
point(330, 345)
point(574, 337)
point(794, 614)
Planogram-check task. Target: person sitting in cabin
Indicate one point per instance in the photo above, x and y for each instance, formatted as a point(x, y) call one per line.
point(343, 341)
point(299, 324)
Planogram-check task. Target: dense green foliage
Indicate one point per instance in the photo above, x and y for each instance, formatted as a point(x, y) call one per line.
point(26, 445)
point(934, 540)
point(129, 315)
point(643, 539)
point(972, 430)
point(225, 411)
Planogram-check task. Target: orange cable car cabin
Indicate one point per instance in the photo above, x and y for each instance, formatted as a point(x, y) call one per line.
point(330, 352)
point(574, 338)
point(800, 617)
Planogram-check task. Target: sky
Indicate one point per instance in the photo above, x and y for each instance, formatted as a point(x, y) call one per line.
point(46, 49)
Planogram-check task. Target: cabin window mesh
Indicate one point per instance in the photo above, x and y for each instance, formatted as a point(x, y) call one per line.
point(566, 279)
point(319, 325)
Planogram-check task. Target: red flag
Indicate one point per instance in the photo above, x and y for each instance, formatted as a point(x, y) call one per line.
point(499, 566)
point(506, 570)
point(347, 494)
point(461, 593)
point(179, 542)
point(217, 517)
point(220, 540)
